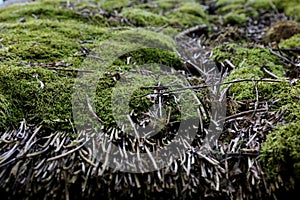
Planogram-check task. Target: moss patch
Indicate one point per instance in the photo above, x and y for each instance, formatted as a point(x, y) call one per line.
point(4, 111)
point(282, 30)
point(281, 156)
point(292, 42)
point(111, 5)
point(37, 95)
point(249, 64)
point(44, 40)
point(237, 12)
point(43, 96)
point(289, 97)
point(47, 10)
point(291, 8)
point(187, 15)
point(141, 17)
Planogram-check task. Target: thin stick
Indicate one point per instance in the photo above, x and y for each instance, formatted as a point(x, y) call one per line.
point(283, 58)
point(270, 73)
point(204, 86)
point(244, 113)
point(92, 111)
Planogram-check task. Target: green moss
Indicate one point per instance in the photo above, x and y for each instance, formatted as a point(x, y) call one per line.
point(49, 39)
point(46, 10)
point(45, 99)
point(161, 6)
point(141, 46)
point(292, 42)
point(294, 11)
point(4, 111)
point(252, 7)
point(231, 7)
point(289, 96)
point(260, 4)
point(281, 154)
point(249, 64)
point(111, 5)
point(281, 30)
point(236, 12)
point(51, 105)
point(233, 18)
point(44, 40)
point(221, 2)
point(116, 99)
point(141, 17)
point(187, 15)
point(290, 7)
point(138, 48)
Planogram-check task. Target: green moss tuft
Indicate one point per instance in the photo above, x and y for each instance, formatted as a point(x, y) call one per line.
point(282, 30)
point(292, 42)
point(35, 10)
point(281, 156)
point(44, 40)
point(187, 15)
point(234, 18)
point(289, 97)
point(236, 12)
point(160, 6)
point(141, 17)
point(111, 5)
point(42, 100)
point(290, 7)
point(249, 64)
point(141, 46)
point(4, 111)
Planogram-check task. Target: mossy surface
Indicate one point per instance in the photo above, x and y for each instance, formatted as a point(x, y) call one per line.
point(249, 64)
point(289, 97)
point(187, 15)
point(292, 42)
point(282, 30)
point(4, 110)
point(141, 17)
point(239, 11)
point(47, 10)
point(51, 36)
point(37, 95)
point(291, 8)
point(44, 46)
point(280, 154)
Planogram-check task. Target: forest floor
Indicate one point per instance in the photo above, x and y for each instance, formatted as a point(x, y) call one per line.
point(193, 99)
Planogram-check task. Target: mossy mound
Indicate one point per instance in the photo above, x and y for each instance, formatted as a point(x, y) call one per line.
point(282, 30)
point(292, 42)
point(280, 152)
point(4, 110)
point(36, 94)
point(51, 10)
point(250, 63)
point(291, 8)
point(281, 156)
point(238, 12)
point(44, 40)
point(46, 48)
point(187, 15)
point(40, 57)
point(140, 17)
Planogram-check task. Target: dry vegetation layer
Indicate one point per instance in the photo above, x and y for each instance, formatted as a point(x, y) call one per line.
point(46, 45)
